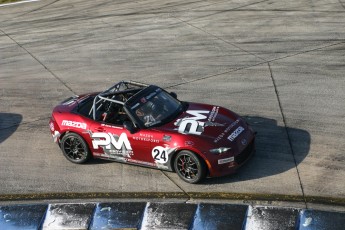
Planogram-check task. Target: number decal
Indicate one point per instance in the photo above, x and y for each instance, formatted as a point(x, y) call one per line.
point(163, 156)
point(156, 152)
point(160, 154)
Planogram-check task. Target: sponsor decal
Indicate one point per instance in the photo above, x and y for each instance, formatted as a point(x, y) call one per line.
point(113, 145)
point(111, 126)
point(145, 137)
point(161, 154)
point(190, 143)
point(140, 162)
point(166, 138)
point(226, 160)
point(213, 113)
point(74, 124)
point(233, 124)
point(235, 133)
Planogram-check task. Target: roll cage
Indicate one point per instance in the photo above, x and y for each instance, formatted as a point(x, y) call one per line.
point(118, 94)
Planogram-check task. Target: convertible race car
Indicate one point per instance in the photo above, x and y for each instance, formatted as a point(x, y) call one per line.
point(145, 125)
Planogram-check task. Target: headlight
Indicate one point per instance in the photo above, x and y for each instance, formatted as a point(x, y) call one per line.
point(219, 150)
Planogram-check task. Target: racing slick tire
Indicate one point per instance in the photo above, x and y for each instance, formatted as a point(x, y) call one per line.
point(189, 167)
point(74, 148)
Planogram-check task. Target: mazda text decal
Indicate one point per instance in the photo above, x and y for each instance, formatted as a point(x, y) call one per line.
point(235, 133)
point(74, 124)
point(112, 144)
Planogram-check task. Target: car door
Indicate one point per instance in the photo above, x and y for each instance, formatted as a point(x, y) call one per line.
point(114, 142)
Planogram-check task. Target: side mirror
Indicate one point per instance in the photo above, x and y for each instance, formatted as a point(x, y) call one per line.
point(173, 94)
point(129, 126)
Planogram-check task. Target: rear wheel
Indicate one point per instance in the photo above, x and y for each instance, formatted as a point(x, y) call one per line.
point(74, 148)
point(189, 167)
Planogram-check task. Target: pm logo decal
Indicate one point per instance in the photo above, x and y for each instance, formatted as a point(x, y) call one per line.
point(112, 144)
point(195, 126)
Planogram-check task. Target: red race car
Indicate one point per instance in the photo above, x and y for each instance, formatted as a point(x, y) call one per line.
point(144, 125)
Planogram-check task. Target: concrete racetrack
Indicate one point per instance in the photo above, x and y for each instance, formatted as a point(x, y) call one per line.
point(280, 64)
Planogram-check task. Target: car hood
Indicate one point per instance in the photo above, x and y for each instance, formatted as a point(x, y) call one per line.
point(206, 121)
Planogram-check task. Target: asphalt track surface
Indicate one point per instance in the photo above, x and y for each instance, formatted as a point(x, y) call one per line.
point(280, 64)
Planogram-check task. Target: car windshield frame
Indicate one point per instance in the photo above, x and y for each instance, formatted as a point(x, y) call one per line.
point(156, 99)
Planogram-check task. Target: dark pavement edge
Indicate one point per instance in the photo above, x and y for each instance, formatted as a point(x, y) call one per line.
point(173, 195)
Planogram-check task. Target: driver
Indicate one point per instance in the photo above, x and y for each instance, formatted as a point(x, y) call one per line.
point(145, 115)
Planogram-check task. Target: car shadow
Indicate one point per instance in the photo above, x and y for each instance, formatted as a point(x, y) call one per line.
point(278, 149)
point(9, 122)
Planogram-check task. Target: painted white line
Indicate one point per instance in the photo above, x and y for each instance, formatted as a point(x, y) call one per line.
point(15, 3)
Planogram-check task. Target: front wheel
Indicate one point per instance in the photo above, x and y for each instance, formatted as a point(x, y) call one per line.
point(189, 167)
point(74, 148)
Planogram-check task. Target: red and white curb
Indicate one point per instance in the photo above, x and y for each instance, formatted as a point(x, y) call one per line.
point(164, 215)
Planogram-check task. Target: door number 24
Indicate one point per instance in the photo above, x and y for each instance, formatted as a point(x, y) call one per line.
point(160, 154)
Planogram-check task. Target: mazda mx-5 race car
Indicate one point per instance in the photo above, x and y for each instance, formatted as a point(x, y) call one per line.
point(144, 125)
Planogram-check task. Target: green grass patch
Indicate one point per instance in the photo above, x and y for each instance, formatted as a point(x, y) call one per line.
point(7, 1)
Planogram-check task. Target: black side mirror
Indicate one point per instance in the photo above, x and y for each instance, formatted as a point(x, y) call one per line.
point(173, 94)
point(129, 126)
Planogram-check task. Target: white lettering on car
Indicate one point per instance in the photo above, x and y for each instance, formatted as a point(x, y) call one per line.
point(75, 124)
point(235, 133)
point(226, 130)
point(108, 141)
point(226, 160)
point(213, 113)
point(195, 125)
point(140, 162)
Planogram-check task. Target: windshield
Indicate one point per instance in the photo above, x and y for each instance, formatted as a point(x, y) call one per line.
point(156, 107)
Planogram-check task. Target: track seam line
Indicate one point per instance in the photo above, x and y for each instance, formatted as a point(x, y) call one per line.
point(307, 51)
point(215, 75)
point(219, 38)
point(42, 7)
point(189, 197)
point(342, 4)
point(287, 133)
point(228, 10)
point(34, 57)
point(250, 66)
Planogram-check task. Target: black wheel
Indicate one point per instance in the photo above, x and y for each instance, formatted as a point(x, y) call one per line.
point(189, 167)
point(74, 148)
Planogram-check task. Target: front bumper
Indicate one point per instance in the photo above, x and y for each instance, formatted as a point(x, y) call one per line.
point(232, 166)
